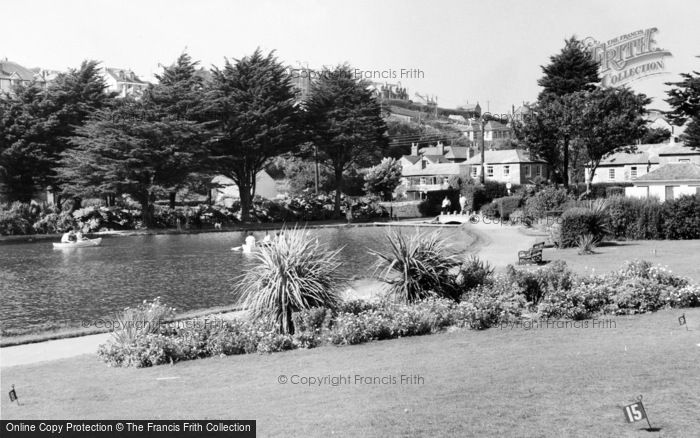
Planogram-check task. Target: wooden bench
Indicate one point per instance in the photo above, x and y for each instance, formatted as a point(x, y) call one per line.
point(532, 255)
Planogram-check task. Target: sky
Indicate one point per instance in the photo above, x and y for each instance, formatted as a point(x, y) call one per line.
point(460, 51)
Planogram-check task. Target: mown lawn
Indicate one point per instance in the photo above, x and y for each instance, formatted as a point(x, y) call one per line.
point(680, 256)
point(499, 382)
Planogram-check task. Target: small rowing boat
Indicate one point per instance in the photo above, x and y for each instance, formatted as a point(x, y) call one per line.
point(79, 244)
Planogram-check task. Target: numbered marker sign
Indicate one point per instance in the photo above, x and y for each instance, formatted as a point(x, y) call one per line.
point(634, 412)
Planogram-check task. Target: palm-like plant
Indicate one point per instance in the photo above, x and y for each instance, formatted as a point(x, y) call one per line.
point(294, 273)
point(417, 265)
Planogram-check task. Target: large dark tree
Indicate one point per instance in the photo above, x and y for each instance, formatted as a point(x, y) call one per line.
point(684, 98)
point(548, 130)
point(37, 123)
point(255, 118)
point(179, 95)
point(346, 123)
point(571, 70)
point(607, 120)
point(22, 141)
point(131, 150)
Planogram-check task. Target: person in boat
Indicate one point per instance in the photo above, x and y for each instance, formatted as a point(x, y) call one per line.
point(267, 239)
point(79, 236)
point(250, 240)
point(68, 237)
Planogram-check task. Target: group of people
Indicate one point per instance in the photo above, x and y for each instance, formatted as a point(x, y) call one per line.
point(267, 240)
point(446, 204)
point(73, 236)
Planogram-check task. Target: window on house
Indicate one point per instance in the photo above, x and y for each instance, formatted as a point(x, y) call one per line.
point(489, 171)
point(474, 172)
point(422, 181)
point(528, 171)
point(445, 180)
point(633, 172)
point(506, 170)
point(611, 174)
point(538, 170)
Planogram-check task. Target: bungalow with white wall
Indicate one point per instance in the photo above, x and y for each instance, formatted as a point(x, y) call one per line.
point(626, 166)
point(669, 181)
point(225, 191)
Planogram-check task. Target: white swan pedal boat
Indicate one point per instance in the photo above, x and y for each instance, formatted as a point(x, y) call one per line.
point(79, 244)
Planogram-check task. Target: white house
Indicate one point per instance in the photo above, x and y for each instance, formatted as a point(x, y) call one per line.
point(226, 191)
point(124, 82)
point(669, 181)
point(626, 166)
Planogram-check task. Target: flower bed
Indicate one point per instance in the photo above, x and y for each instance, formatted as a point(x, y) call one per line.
point(551, 292)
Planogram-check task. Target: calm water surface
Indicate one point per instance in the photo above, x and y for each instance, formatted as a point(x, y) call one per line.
point(42, 288)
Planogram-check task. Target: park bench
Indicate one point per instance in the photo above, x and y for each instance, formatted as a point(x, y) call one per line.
point(532, 255)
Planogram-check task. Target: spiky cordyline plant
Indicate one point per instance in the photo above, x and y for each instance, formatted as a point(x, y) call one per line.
point(417, 265)
point(294, 273)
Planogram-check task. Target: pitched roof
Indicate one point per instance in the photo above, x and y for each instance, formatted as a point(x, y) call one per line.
point(493, 125)
point(647, 153)
point(436, 158)
point(124, 75)
point(672, 172)
point(412, 158)
point(678, 149)
point(457, 152)
point(8, 68)
point(504, 156)
point(638, 157)
point(437, 169)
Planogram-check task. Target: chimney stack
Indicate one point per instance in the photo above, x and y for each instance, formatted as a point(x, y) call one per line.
point(440, 148)
point(414, 149)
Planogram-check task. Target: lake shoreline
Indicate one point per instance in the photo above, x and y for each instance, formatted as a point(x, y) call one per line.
point(271, 226)
point(358, 287)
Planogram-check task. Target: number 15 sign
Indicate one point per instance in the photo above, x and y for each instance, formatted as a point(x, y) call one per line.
point(636, 412)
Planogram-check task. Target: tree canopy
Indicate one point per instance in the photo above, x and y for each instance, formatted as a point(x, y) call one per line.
point(345, 123)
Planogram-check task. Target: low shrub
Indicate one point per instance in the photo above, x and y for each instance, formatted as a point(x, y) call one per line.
point(580, 302)
point(631, 218)
point(546, 200)
point(473, 272)
point(489, 305)
point(507, 205)
point(577, 222)
point(681, 218)
point(685, 296)
point(489, 210)
point(536, 284)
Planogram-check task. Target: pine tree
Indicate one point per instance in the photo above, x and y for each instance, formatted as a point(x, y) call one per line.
point(255, 118)
point(684, 98)
point(548, 130)
point(129, 149)
point(345, 123)
point(179, 95)
point(571, 70)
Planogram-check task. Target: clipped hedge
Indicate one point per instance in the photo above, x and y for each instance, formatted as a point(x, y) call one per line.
point(681, 218)
point(577, 222)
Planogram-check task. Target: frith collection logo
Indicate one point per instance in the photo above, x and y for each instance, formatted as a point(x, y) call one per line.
point(628, 57)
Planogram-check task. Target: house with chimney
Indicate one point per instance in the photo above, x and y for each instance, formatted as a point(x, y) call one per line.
point(442, 167)
point(673, 171)
point(625, 167)
point(12, 74)
point(514, 166)
point(124, 82)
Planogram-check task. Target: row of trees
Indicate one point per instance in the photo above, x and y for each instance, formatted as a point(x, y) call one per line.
point(576, 122)
point(82, 141)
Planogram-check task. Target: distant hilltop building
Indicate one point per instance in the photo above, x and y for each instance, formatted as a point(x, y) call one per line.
point(124, 82)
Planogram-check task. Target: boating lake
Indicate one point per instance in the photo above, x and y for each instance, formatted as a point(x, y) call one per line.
point(43, 289)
